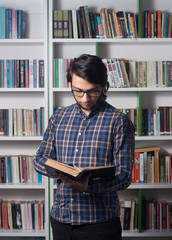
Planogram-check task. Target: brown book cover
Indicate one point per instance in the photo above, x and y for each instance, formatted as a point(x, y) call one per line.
point(76, 173)
point(84, 22)
point(147, 149)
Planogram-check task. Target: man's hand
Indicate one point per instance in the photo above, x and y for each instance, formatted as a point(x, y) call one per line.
point(79, 186)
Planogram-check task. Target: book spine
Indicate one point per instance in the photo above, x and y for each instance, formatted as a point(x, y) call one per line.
point(141, 168)
point(65, 24)
point(14, 24)
point(41, 73)
point(137, 167)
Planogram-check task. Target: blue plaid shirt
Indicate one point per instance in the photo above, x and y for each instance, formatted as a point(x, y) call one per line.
point(103, 138)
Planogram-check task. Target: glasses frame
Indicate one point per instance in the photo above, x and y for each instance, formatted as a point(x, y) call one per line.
point(82, 92)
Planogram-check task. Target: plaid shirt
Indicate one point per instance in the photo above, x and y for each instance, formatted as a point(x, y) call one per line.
point(104, 137)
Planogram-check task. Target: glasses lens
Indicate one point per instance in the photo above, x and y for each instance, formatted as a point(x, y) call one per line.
point(80, 93)
point(93, 93)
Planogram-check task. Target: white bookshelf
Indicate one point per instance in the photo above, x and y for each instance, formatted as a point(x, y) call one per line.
point(136, 49)
point(34, 46)
point(40, 44)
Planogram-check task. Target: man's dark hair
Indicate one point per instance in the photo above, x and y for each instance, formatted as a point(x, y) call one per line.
point(91, 68)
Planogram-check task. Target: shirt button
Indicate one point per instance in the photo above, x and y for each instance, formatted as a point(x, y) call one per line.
point(79, 133)
point(77, 150)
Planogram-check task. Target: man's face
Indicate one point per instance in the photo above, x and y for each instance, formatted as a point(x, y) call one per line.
point(85, 93)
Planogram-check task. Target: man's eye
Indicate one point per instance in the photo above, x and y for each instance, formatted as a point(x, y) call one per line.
point(78, 91)
point(93, 91)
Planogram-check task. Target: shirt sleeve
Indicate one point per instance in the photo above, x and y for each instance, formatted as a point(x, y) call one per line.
point(123, 158)
point(46, 149)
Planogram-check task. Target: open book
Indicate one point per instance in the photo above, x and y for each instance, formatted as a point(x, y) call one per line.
point(75, 173)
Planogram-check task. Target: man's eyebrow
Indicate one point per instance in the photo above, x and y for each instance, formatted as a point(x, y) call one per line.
point(95, 88)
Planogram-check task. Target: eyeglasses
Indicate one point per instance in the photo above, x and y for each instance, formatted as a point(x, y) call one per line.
point(90, 93)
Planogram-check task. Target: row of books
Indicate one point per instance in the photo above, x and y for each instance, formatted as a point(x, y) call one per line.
point(149, 74)
point(156, 214)
point(123, 73)
point(152, 165)
point(59, 75)
point(18, 169)
point(12, 23)
point(132, 73)
point(129, 214)
point(157, 121)
point(84, 23)
point(153, 122)
point(22, 122)
point(156, 24)
point(23, 73)
point(26, 215)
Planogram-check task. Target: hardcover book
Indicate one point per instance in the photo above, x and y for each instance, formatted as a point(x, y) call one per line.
point(76, 173)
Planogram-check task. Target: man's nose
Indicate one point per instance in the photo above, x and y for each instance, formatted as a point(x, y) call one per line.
point(85, 96)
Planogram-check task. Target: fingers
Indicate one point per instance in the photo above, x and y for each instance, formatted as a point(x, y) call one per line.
point(79, 186)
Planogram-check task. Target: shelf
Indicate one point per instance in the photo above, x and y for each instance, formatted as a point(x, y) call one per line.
point(144, 186)
point(22, 41)
point(22, 186)
point(165, 89)
point(128, 233)
point(156, 233)
point(150, 186)
point(114, 40)
point(2, 90)
point(21, 138)
point(22, 233)
point(154, 138)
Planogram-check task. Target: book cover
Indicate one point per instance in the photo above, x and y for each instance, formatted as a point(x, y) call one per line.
point(162, 168)
point(100, 27)
point(116, 24)
point(127, 214)
point(96, 25)
point(86, 11)
point(41, 73)
point(84, 22)
point(76, 173)
point(147, 149)
point(14, 24)
point(74, 24)
point(112, 25)
point(159, 23)
point(21, 24)
point(9, 211)
point(4, 215)
point(55, 21)
point(80, 30)
point(149, 167)
point(164, 215)
point(59, 22)
point(137, 167)
point(169, 215)
point(22, 73)
point(93, 27)
point(141, 168)
point(2, 22)
point(65, 22)
point(70, 24)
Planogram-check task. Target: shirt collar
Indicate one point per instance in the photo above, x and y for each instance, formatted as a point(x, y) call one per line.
point(96, 108)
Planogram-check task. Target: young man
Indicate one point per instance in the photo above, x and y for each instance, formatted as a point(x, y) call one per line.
point(88, 133)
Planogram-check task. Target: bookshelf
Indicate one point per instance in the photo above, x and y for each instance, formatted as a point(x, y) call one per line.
point(33, 46)
point(138, 49)
point(40, 44)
